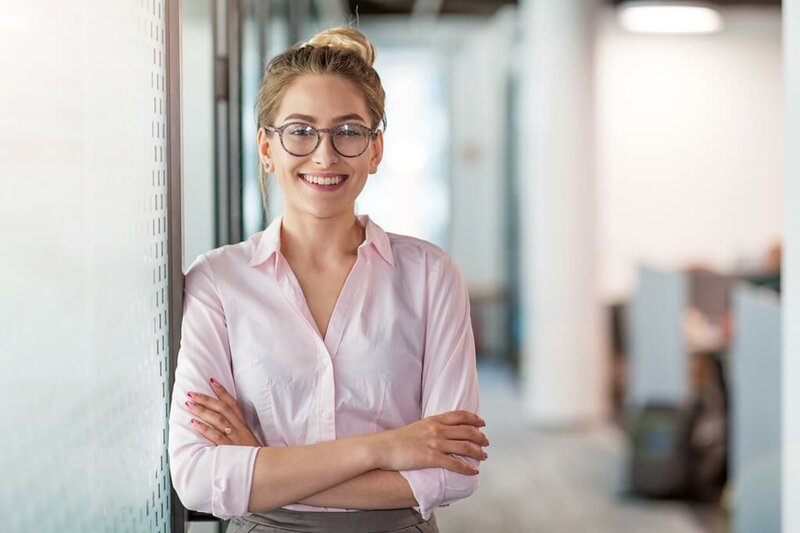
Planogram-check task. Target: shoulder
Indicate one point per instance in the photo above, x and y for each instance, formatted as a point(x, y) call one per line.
point(418, 253)
point(408, 247)
point(226, 258)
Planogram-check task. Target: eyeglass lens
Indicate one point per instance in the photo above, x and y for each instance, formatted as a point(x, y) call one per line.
point(349, 140)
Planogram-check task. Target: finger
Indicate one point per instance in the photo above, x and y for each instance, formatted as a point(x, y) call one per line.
point(211, 418)
point(466, 432)
point(464, 448)
point(464, 417)
point(461, 417)
point(226, 398)
point(208, 432)
point(217, 405)
point(457, 465)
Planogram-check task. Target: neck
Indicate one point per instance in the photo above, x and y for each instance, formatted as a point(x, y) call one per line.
point(320, 241)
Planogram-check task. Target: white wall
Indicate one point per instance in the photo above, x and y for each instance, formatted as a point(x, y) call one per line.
point(690, 145)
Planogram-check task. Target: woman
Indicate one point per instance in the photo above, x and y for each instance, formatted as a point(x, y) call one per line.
point(326, 378)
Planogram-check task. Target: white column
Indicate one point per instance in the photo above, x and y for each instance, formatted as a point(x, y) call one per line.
point(791, 274)
point(564, 370)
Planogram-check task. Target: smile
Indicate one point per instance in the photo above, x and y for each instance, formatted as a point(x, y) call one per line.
point(326, 183)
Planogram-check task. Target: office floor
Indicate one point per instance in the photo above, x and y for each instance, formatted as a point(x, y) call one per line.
point(555, 482)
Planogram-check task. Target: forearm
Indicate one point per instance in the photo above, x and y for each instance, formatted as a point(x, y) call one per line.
point(376, 489)
point(283, 476)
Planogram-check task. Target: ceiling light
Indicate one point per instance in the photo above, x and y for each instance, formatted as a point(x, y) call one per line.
point(669, 17)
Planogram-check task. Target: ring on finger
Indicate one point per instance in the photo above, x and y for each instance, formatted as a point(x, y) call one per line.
point(228, 430)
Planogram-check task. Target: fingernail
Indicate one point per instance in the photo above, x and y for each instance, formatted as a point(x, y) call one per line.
point(190, 395)
point(190, 405)
point(194, 421)
point(214, 382)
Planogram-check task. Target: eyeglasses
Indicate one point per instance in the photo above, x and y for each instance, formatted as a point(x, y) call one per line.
point(349, 140)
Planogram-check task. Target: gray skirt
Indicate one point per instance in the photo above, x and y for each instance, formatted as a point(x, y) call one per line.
point(381, 521)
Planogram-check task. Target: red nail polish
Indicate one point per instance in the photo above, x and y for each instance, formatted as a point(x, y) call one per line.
point(190, 395)
point(194, 421)
point(213, 382)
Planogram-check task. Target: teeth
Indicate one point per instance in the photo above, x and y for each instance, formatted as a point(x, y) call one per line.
point(321, 180)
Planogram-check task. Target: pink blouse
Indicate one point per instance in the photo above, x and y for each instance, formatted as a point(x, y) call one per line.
point(399, 347)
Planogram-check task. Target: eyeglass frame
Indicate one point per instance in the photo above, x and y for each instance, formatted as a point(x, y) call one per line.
point(319, 132)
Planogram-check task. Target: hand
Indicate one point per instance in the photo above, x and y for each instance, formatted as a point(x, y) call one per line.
point(219, 414)
point(430, 442)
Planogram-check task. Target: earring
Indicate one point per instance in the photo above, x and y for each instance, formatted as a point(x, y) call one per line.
point(267, 167)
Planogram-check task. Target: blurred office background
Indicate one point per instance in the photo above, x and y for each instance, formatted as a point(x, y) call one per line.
point(621, 190)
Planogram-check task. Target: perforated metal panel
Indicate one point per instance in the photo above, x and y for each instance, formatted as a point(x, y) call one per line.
point(84, 347)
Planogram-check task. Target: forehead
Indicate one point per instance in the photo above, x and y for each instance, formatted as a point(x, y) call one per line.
point(323, 97)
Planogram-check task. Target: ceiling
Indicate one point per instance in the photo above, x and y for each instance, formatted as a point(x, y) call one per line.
point(442, 7)
point(475, 7)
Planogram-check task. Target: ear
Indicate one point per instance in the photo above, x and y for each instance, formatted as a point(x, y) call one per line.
point(264, 146)
point(376, 152)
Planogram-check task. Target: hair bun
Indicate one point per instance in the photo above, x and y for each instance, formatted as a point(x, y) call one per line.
point(342, 38)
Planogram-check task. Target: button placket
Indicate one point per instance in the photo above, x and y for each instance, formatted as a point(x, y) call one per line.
point(327, 399)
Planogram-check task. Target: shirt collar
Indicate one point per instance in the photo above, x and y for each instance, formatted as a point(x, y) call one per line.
point(270, 241)
point(377, 237)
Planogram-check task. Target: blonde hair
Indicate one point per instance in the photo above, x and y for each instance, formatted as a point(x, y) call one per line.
point(342, 52)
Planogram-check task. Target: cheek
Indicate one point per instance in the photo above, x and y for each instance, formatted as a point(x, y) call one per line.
point(285, 169)
point(283, 178)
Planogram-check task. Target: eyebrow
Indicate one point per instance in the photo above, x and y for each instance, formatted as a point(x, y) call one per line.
point(308, 118)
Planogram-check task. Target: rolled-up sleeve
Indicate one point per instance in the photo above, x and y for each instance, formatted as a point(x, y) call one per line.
point(207, 478)
point(449, 380)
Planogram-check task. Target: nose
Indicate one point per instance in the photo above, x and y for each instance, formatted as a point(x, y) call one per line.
point(325, 155)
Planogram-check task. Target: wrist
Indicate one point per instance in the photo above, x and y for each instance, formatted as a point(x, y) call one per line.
point(375, 447)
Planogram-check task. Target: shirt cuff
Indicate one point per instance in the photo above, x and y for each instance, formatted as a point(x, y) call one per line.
point(428, 488)
point(232, 479)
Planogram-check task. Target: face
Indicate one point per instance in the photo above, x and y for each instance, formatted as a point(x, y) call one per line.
point(321, 101)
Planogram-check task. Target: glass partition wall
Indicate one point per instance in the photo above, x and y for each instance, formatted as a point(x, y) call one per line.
point(85, 221)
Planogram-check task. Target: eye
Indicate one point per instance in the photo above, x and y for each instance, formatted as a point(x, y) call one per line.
point(300, 130)
point(350, 130)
